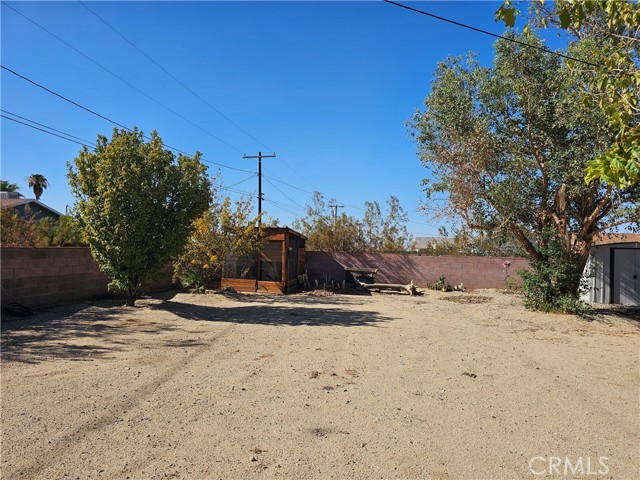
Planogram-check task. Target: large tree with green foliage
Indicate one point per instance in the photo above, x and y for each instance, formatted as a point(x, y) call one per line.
point(137, 203)
point(509, 145)
point(606, 38)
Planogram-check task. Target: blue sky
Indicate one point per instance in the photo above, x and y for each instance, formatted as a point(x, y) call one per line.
point(327, 86)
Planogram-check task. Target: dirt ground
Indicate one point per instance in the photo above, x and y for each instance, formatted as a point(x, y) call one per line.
point(444, 385)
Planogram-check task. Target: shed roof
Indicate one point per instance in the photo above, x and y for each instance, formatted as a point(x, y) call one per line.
point(275, 230)
point(609, 238)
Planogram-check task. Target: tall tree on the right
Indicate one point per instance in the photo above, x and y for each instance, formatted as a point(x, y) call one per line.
point(606, 37)
point(508, 145)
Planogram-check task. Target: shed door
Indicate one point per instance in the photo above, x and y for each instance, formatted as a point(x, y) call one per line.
point(626, 273)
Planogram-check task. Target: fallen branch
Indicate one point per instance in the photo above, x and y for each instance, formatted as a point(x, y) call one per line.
point(410, 288)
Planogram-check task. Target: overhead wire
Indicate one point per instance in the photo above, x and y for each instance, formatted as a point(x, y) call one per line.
point(280, 207)
point(87, 142)
point(124, 81)
point(495, 35)
point(242, 181)
point(190, 90)
point(284, 194)
point(110, 120)
point(166, 107)
point(186, 87)
point(43, 130)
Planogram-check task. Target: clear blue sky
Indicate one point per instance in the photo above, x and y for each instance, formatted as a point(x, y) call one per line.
point(328, 86)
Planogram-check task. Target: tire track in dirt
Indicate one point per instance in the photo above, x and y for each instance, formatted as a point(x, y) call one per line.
point(62, 448)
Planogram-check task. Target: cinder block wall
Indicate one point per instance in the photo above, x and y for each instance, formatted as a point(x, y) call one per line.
point(473, 272)
point(42, 277)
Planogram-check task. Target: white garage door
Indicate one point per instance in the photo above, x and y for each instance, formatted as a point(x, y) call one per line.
point(626, 273)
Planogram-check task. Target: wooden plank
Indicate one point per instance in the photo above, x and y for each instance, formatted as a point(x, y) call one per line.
point(249, 285)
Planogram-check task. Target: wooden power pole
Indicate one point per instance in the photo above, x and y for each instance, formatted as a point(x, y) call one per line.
point(335, 207)
point(259, 259)
point(260, 157)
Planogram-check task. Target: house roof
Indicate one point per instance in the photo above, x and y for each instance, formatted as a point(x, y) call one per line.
point(426, 242)
point(16, 202)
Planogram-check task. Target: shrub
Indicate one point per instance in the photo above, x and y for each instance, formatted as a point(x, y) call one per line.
point(554, 284)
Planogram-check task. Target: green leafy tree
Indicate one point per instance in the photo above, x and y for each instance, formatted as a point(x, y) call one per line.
point(509, 143)
point(62, 232)
point(6, 186)
point(329, 233)
point(18, 232)
point(37, 183)
point(136, 202)
point(26, 231)
point(377, 231)
point(386, 233)
point(606, 35)
point(224, 232)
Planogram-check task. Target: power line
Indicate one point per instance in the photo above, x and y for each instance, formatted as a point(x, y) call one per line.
point(234, 190)
point(186, 87)
point(287, 184)
point(242, 181)
point(287, 196)
point(284, 209)
point(124, 81)
point(46, 126)
point(113, 121)
point(43, 130)
point(63, 97)
point(494, 35)
point(148, 57)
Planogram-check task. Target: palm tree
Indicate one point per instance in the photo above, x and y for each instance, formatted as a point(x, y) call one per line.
point(38, 183)
point(6, 186)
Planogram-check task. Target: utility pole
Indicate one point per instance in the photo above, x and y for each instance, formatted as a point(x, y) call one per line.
point(259, 259)
point(259, 157)
point(335, 208)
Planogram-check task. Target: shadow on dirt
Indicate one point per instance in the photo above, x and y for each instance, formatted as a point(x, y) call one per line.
point(273, 314)
point(628, 313)
point(70, 332)
point(93, 330)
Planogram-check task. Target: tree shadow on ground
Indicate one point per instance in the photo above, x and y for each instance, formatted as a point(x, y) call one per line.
point(349, 296)
point(624, 312)
point(99, 330)
point(70, 332)
point(273, 314)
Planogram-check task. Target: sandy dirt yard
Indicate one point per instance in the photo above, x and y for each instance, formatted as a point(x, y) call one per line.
point(440, 386)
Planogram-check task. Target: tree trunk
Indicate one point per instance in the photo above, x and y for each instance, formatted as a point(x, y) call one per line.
point(131, 299)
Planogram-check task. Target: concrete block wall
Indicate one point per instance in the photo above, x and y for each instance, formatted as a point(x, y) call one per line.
point(42, 277)
point(473, 272)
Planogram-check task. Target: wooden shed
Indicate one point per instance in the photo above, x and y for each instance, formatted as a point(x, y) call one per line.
point(276, 270)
